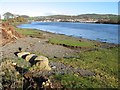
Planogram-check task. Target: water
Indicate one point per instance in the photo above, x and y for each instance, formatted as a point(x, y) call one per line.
point(100, 32)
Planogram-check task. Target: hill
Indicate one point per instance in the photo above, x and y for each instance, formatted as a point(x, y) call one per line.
point(98, 18)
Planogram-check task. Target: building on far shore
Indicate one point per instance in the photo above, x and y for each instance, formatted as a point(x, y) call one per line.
point(8, 15)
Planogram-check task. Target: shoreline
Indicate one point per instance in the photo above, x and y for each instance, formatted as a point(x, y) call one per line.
point(87, 22)
point(45, 36)
point(77, 37)
point(99, 40)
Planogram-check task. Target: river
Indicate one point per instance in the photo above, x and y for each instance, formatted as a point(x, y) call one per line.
point(100, 32)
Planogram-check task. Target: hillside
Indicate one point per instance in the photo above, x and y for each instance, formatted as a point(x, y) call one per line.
point(99, 18)
point(96, 16)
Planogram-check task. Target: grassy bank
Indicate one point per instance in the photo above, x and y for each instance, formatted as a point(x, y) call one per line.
point(30, 32)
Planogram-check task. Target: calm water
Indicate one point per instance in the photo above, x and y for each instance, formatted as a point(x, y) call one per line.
point(101, 32)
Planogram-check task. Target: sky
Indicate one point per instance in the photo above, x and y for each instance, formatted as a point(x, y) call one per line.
point(55, 8)
point(59, 0)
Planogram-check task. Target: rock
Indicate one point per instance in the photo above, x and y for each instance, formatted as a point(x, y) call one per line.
point(40, 62)
point(1, 87)
point(53, 67)
point(2, 73)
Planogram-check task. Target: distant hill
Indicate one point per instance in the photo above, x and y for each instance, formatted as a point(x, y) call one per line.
point(24, 16)
point(96, 16)
point(101, 18)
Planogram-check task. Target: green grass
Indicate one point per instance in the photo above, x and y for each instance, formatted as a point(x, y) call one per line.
point(103, 62)
point(74, 82)
point(27, 32)
point(30, 32)
point(70, 42)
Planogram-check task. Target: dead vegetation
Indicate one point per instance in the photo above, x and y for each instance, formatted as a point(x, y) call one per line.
point(8, 33)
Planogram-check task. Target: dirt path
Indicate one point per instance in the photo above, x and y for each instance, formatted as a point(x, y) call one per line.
point(38, 46)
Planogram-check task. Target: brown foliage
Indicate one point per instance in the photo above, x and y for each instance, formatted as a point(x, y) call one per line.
point(8, 33)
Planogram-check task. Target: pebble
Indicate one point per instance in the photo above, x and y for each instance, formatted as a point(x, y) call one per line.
point(53, 67)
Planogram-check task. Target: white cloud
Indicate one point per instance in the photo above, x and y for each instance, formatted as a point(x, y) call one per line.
point(52, 13)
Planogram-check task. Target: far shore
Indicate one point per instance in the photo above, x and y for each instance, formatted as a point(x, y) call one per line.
point(81, 22)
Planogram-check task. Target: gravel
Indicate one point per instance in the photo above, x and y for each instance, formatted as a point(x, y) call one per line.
point(60, 68)
point(36, 45)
